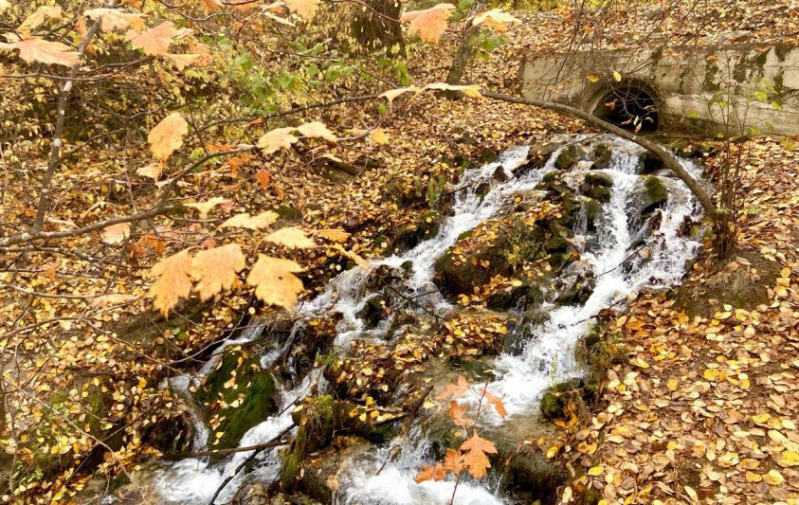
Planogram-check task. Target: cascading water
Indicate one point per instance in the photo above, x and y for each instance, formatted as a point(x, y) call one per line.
point(547, 357)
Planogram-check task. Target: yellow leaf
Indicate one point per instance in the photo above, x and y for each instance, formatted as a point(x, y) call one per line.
point(334, 235)
point(596, 471)
point(44, 51)
point(291, 237)
point(495, 19)
point(173, 281)
point(153, 170)
point(617, 76)
point(116, 233)
point(277, 139)
point(472, 91)
point(167, 136)
point(378, 136)
point(394, 93)
point(774, 478)
point(593, 77)
point(672, 384)
point(753, 477)
point(275, 282)
point(215, 269)
point(244, 220)
point(112, 20)
point(181, 61)
point(316, 129)
point(430, 23)
point(155, 41)
point(306, 9)
point(38, 17)
point(206, 206)
point(788, 459)
point(711, 374)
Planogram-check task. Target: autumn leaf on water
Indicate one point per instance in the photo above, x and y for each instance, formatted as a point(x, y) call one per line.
point(112, 20)
point(306, 9)
point(244, 220)
point(457, 414)
point(167, 136)
point(496, 403)
point(44, 51)
point(116, 233)
point(455, 390)
point(275, 282)
point(436, 473)
point(495, 19)
point(476, 460)
point(173, 280)
point(215, 269)
point(316, 129)
point(334, 235)
point(205, 207)
point(472, 91)
point(277, 139)
point(155, 41)
point(430, 23)
point(291, 237)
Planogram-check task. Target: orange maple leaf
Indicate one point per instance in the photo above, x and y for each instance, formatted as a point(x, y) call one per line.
point(215, 269)
point(476, 460)
point(456, 413)
point(497, 403)
point(155, 41)
point(456, 390)
point(173, 281)
point(167, 136)
point(430, 23)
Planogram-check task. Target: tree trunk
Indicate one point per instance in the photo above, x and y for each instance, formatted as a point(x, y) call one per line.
point(377, 25)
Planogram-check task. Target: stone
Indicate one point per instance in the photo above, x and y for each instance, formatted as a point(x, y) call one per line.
point(569, 156)
point(603, 155)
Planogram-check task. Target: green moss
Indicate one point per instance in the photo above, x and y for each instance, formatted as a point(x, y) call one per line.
point(240, 381)
point(656, 193)
point(289, 213)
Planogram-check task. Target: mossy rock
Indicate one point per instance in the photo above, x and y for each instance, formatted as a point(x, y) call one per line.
point(649, 163)
point(383, 246)
point(238, 380)
point(427, 227)
point(518, 331)
point(569, 156)
point(556, 400)
point(537, 157)
point(463, 277)
point(656, 195)
point(597, 185)
point(603, 155)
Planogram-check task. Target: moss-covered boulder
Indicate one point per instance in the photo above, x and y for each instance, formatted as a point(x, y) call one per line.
point(597, 185)
point(569, 156)
point(236, 396)
point(537, 157)
point(559, 401)
point(649, 163)
point(603, 155)
point(462, 273)
point(656, 195)
point(427, 227)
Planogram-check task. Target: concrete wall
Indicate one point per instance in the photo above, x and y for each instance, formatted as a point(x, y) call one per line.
point(698, 88)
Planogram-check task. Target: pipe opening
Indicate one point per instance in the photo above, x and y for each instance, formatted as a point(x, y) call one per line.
point(629, 106)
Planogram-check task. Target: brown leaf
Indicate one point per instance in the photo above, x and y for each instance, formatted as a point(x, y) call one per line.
point(316, 129)
point(112, 20)
point(456, 390)
point(208, 205)
point(116, 233)
point(44, 51)
point(277, 139)
point(244, 220)
point(476, 460)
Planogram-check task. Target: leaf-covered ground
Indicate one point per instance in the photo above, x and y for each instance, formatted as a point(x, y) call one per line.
point(705, 407)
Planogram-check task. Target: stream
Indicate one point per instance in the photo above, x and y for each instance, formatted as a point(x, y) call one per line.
point(547, 356)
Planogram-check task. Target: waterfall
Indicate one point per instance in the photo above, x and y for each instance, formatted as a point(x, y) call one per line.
point(521, 378)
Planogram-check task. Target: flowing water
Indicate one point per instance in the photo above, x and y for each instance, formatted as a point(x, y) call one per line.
point(547, 357)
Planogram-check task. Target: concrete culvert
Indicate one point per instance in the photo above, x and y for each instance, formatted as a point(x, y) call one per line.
point(628, 105)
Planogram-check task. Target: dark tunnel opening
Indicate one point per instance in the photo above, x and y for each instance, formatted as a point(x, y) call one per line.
point(630, 106)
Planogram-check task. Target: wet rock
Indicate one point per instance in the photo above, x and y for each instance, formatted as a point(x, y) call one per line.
point(530, 477)
point(311, 339)
point(569, 156)
point(519, 330)
point(319, 476)
point(557, 244)
point(518, 297)
point(460, 276)
point(372, 311)
point(649, 163)
point(597, 185)
point(603, 154)
point(578, 292)
point(426, 228)
point(500, 175)
point(555, 402)
point(656, 195)
point(537, 157)
point(383, 246)
point(239, 393)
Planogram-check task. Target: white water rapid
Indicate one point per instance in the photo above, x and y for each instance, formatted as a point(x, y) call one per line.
point(547, 356)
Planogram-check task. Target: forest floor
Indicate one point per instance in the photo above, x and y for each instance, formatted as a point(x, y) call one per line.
point(705, 409)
